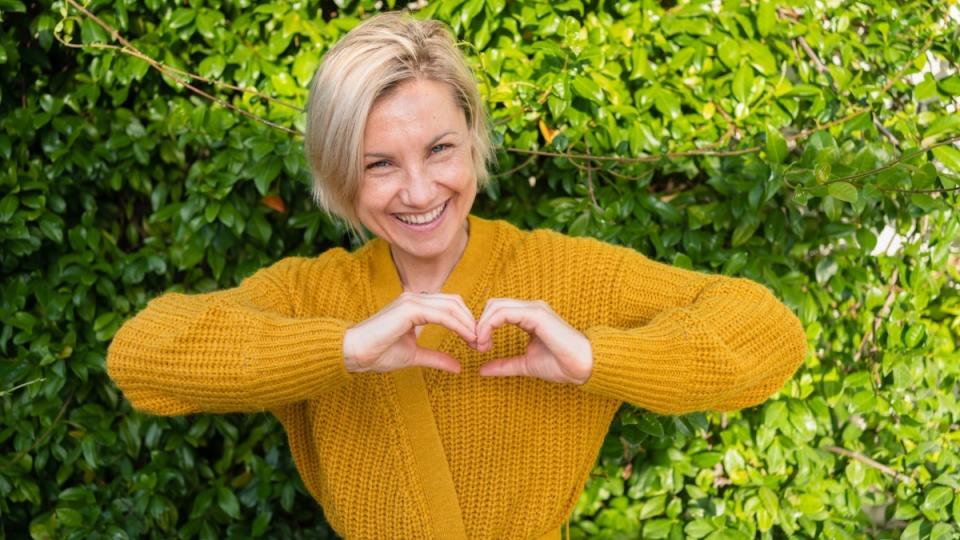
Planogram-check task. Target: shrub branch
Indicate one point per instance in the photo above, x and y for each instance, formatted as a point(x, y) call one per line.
point(185, 78)
point(868, 462)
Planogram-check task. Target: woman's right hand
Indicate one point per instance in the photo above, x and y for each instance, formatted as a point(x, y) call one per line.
point(388, 340)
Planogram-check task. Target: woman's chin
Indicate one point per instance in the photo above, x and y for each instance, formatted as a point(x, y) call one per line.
point(426, 245)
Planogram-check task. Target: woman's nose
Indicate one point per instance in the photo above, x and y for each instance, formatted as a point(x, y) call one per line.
point(419, 190)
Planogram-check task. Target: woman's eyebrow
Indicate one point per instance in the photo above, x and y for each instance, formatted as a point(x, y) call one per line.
point(438, 137)
point(430, 144)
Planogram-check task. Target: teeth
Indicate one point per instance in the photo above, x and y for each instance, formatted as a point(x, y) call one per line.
point(420, 219)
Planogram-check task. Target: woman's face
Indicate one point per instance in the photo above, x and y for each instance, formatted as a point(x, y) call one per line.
point(418, 181)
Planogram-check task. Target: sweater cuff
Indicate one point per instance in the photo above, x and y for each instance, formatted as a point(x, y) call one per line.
point(296, 359)
point(646, 366)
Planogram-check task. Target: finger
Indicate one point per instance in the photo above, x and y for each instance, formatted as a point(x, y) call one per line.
point(450, 302)
point(435, 359)
point(494, 305)
point(419, 314)
point(505, 367)
point(458, 305)
point(526, 317)
point(458, 300)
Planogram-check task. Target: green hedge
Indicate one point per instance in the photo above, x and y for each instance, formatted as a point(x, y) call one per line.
point(750, 138)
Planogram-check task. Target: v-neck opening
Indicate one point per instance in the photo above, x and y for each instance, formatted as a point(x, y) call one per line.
point(463, 279)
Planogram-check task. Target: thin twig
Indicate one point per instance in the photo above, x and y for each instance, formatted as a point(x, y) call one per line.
point(689, 153)
point(869, 462)
point(36, 443)
point(21, 385)
point(822, 69)
point(886, 132)
point(172, 71)
point(130, 49)
point(183, 77)
point(512, 170)
point(900, 73)
point(874, 328)
point(895, 162)
point(593, 196)
point(937, 190)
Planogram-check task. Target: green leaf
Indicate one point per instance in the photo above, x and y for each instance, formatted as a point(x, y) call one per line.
point(735, 263)
point(212, 66)
point(844, 191)
point(913, 335)
point(905, 511)
point(776, 146)
point(202, 502)
point(761, 58)
point(743, 83)
point(769, 500)
point(91, 32)
point(284, 84)
point(944, 124)
point(699, 528)
point(706, 460)
point(15, 6)
point(657, 528)
point(653, 507)
point(767, 17)
point(937, 498)
point(729, 52)
point(650, 425)
point(810, 505)
point(265, 172)
point(667, 104)
point(261, 524)
point(181, 17)
point(949, 156)
point(744, 231)
point(826, 269)
point(866, 239)
point(950, 85)
point(917, 530)
point(586, 88)
point(227, 502)
point(8, 206)
point(943, 531)
point(69, 517)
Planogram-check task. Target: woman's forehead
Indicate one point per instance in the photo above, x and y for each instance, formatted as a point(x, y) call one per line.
point(415, 111)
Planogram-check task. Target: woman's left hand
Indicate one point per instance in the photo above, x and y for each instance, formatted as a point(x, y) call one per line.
point(557, 352)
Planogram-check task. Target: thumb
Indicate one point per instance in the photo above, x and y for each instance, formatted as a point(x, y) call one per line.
point(505, 367)
point(435, 359)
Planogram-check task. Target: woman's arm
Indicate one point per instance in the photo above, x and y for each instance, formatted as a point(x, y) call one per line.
point(240, 349)
point(686, 341)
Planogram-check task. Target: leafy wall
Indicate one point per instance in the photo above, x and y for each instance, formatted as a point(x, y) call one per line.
point(771, 141)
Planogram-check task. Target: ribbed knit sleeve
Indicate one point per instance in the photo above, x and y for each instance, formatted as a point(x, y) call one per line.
point(239, 349)
point(691, 342)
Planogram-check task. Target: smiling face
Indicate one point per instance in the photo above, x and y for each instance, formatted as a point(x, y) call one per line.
point(418, 180)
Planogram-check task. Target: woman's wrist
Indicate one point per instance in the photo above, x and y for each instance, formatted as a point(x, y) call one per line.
point(349, 361)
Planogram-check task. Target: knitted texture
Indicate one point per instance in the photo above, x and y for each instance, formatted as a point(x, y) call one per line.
point(519, 449)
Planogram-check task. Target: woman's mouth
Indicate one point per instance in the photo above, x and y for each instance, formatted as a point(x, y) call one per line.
point(424, 220)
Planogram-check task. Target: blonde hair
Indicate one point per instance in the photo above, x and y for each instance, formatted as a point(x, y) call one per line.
point(366, 64)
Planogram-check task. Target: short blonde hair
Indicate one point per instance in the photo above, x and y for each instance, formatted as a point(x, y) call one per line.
point(366, 64)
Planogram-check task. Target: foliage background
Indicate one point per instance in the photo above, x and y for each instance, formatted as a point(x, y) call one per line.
point(736, 137)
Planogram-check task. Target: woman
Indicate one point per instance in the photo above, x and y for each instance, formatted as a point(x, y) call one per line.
point(336, 346)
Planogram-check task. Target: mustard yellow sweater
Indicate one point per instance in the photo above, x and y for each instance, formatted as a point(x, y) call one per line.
point(518, 450)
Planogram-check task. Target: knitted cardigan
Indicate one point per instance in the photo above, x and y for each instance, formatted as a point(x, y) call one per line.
point(518, 449)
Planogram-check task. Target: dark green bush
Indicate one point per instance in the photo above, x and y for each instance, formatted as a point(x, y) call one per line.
point(752, 139)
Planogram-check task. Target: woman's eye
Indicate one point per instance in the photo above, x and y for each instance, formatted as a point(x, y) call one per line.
point(439, 148)
point(378, 164)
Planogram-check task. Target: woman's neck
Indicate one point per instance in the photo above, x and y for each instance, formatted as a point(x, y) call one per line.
point(429, 275)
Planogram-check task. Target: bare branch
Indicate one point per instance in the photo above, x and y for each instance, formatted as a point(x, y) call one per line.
point(868, 462)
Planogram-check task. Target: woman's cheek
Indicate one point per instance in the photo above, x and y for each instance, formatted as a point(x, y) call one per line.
point(454, 167)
